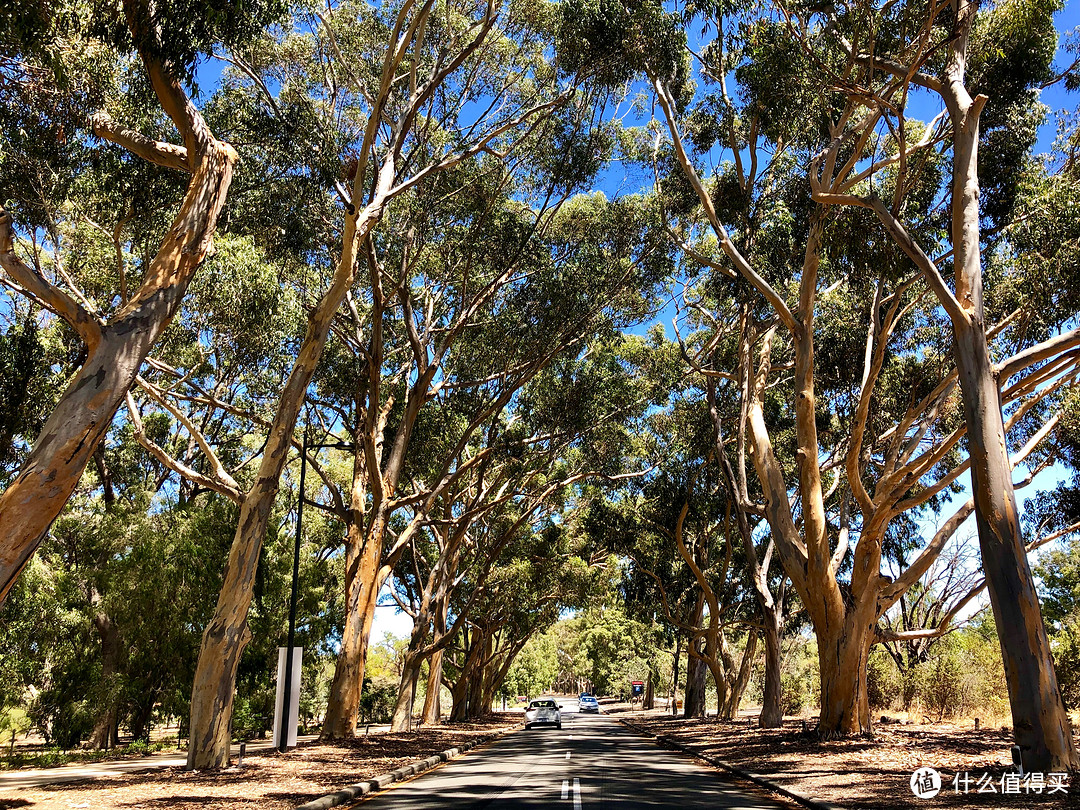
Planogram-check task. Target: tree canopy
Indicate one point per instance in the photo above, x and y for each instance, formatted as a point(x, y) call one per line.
point(616, 333)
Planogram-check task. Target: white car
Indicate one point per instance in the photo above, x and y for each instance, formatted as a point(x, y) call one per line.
point(543, 712)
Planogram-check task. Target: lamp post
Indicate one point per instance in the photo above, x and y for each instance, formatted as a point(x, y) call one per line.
point(286, 692)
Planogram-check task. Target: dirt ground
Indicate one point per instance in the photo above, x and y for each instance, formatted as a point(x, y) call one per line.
point(874, 773)
point(270, 781)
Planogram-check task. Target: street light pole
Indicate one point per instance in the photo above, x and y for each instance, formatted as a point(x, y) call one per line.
point(283, 741)
point(286, 691)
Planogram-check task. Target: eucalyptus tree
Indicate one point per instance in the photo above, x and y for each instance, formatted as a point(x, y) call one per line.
point(392, 86)
point(494, 268)
point(489, 249)
point(985, 69)
point(808, 291)
point(428, 131)
point(118, 76)
point(538, 575)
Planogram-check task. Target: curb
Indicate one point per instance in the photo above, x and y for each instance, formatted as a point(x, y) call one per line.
point(812, 802)
point(361, 789)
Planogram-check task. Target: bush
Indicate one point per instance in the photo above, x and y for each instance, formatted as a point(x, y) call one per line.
point(794, 694)
point(882, 680)
point(253, 715)
point(962, 676)
point(377, 700)
point(1066, 646)
point(945, 690)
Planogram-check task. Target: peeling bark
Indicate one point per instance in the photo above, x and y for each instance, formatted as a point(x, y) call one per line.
point(116, 350)
point(362, 593)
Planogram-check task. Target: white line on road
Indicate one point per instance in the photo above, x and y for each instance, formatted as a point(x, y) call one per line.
point(577, 795)
point(568, 755)
point(565, 789)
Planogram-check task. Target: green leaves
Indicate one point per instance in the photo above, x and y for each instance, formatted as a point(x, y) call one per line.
point(615, 41)
point(21, 356)
point(180, 32)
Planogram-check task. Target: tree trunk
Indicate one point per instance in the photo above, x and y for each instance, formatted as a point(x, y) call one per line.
point(694, 704)
point(223, 642)
point(741, 679)
point(842, 656)
point(722, 688)
point(104, 735)
point(772, 715)
point(227, 634)
point(410, 676)
point(650, 696)
point(1040, 722)
point(458, 695)
point(361, 594)
point(675, 677)
point(85, 411)
point(433, 699)
point(474, 654)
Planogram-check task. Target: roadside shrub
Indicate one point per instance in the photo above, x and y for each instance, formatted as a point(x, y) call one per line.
point(253, 715)
point(945, 690)
point(800, 681)
point(963, 676)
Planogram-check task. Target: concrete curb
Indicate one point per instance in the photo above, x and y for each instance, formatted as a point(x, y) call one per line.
point(813, 802)
point(360, 789)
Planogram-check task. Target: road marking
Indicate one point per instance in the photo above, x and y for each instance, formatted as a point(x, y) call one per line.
point(577, 794)
point(565, 789)
point(568, 755)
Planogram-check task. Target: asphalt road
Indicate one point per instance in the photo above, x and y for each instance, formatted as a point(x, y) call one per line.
point(592, 762)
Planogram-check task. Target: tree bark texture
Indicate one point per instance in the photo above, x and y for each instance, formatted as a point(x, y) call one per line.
point(842, 656)
point(433, 699)
point(104, 734)
point(772, 714)
point(361, 594)
point(115, 353)
point(410, 677)
point(694, 704)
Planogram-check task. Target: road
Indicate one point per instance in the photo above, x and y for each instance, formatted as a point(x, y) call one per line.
point(592, 762)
